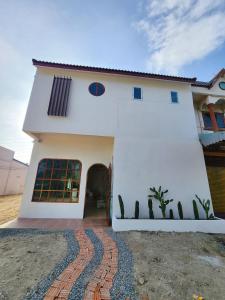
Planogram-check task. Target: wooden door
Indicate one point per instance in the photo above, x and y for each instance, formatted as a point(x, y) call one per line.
point(108, 197)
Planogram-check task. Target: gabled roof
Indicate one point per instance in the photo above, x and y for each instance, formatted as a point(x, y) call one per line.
point(211, 83)
point(112, 71)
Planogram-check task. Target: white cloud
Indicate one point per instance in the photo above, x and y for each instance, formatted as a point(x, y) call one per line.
point(180, 32)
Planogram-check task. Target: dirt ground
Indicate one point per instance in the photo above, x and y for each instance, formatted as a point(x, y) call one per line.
point(24, 260)
point(9, 207)
point(173, 266)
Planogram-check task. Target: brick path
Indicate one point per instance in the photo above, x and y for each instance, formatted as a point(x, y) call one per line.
point(101, 281)
point(62, 286)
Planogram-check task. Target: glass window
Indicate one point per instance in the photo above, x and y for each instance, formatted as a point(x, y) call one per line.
point(58, 180)
point(96, 89)
point(137, 93)
point(208, 123)
point(174, 97)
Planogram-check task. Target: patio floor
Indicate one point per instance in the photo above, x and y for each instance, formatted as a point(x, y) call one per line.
point(55, 223)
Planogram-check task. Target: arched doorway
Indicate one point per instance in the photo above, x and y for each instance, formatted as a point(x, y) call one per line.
point(97, 192)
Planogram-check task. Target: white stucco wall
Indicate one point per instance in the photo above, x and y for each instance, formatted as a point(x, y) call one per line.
point(102, 116)
point(155, 141)
point(176, 165)
point(88, 149)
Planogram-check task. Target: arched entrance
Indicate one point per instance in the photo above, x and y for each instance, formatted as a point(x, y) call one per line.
point(97, 192)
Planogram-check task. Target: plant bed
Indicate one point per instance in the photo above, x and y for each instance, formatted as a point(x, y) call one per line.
point(208, 226)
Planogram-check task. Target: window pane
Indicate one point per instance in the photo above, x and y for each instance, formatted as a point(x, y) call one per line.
point(137, 93)
point(41, 169)
point(44, 196)
point(59, 174)
point(220, 120)
point(207, 120)
point(57, 185)
point(60, 164)
point(47, 173)
point(36, 196)
point(174, 97)
point(67, 196)
point(57, 180)
point(55, 197)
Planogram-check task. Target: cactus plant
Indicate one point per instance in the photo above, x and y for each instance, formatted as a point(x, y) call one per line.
point(195, 208)
point(151, 214)
point(159, 195)
point(171, 214)
point(206, 206)
point(136, 213)
point(180, 210)
point(121, 206)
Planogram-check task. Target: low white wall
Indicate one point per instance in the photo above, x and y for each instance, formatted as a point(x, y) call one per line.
point(207, 226)
point(88, 149)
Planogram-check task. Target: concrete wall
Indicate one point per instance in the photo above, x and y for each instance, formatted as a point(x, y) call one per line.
point(88, 149)
point(12, 173)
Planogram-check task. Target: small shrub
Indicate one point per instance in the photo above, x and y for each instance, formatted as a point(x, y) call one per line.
point(136, 213)
point(151, 214)
point(171, 214)
point(159, 195)
point(180, 210)
point(121, 206)
point(195, 208)
point(206, 206)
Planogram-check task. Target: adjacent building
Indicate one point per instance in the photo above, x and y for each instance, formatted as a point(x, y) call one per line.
point(12, 173)
point(103, 132)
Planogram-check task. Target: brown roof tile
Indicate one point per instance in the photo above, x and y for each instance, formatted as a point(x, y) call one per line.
point(112, 71)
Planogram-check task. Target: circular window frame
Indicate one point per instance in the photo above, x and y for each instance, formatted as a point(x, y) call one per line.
point(97, 84)
point(222, 83)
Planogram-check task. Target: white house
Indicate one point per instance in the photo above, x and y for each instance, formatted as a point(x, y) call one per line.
point(12, 173)
point(97, 129)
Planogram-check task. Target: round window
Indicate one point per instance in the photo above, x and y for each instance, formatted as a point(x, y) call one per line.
point(222, 85)
point(96, 89)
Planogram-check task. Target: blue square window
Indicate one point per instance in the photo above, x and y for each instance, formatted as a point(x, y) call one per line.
point(137, 93)
point(174, 97)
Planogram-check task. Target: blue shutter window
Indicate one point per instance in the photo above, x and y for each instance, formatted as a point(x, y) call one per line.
point(207, 120)
point(174, 97)
point(220, 120)
point(137, 93)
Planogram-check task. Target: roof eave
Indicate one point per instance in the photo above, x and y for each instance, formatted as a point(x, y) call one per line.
point(113, 71)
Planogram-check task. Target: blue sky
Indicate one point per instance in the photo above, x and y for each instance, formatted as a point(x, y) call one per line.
point(180, 37)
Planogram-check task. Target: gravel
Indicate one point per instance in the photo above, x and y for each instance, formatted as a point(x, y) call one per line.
point(38, 292)
point(123, 281)
point(78, 288)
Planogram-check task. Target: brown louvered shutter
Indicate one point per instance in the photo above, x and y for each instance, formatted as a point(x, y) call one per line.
point(59, 97)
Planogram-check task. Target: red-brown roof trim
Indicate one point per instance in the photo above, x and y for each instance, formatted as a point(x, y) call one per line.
point(112, 71)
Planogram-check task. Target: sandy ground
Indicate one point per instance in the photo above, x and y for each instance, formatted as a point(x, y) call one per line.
point(25, 260)
point(173, 266)
point(9, 207)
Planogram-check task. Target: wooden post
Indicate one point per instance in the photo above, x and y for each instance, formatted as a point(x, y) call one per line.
point(212, 117)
